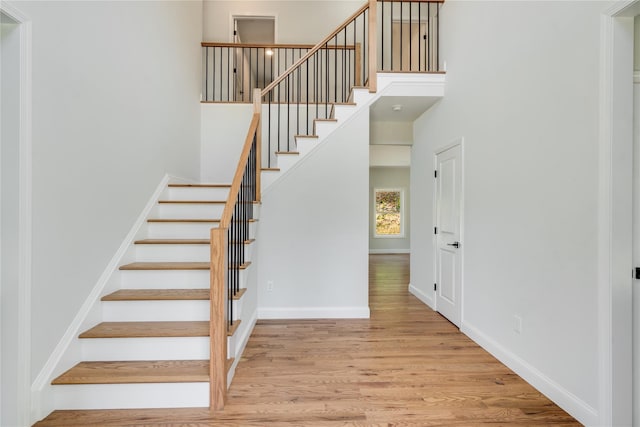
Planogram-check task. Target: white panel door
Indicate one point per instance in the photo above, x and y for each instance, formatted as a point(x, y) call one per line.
point(447, 242)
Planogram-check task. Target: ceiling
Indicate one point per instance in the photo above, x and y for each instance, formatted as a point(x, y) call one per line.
point(411, 108)
point(256, 30)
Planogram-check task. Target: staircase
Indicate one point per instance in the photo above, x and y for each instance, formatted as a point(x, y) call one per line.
point(151, 349)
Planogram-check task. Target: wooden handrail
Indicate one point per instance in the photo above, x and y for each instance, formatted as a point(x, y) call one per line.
point(272, 46)
point(225, 220)
point(316, 48)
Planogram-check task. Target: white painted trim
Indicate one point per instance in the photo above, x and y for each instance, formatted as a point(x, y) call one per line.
point(421, 296)
point(39, 389)
point(243, 340)
point(389, 251)
point(456, 142)
point(561, 396)
point(614, 218)
point(25, 213)
point(636, 77)
point(314, 313)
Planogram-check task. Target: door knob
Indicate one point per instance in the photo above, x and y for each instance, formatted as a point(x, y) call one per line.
point(454, 244)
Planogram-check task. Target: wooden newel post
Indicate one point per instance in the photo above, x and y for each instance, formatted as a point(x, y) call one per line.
point(257, 109)
point(218, 320)
point(373, 45)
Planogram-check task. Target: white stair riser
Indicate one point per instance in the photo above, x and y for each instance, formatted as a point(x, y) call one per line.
point(190, 210)
point(165, 279)
point(324, 128)
point(237, 309)
point(305, 145)
point(342, 112)
point(174, 230)
point(127, 396)
point(118, 349)
point(195, 193)
point(360, 96)
point(148, 311)
point(174, 253)
point(285, 161)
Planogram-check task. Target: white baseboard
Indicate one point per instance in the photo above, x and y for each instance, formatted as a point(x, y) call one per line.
point(389, 251)
point(64, 356)
point(421, 296)
point(314, 313)
point(576, 407)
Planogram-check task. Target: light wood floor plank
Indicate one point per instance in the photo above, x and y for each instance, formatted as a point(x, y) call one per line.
point(406, 366)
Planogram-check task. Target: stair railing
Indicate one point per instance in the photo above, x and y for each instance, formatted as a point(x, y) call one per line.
point(232, 70)
point(228, 255)
point(324, 76)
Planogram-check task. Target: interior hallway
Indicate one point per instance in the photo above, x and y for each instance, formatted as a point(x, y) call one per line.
point(406, 365)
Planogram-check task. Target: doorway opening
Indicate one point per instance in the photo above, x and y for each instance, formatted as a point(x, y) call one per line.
point(253, 64)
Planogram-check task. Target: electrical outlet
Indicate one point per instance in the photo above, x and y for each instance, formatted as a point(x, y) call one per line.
point(269, 285)
point(517, 324)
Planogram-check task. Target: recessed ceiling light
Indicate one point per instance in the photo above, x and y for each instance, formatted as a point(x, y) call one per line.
point(397, 107)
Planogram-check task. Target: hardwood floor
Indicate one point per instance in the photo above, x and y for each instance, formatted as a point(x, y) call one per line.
point(406, 365)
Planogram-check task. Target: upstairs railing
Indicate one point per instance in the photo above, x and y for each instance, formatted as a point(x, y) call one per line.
point(228, 256)
point(232, 70)
point(324, 76)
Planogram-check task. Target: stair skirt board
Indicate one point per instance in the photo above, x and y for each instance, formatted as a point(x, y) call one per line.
point(164, 348)
point(130, 396)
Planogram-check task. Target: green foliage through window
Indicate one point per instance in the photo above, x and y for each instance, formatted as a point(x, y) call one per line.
point(388, 212)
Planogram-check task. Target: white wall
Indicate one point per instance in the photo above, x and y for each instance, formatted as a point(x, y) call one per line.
point(313, 238)
point(296, 21)
point(391, 133)
point(9, 179)
point(224, 128)
point(525, 102)
point(116, 89)
point(396, 178)
point(636, 46)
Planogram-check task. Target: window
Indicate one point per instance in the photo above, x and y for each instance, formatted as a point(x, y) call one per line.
point(388, 211)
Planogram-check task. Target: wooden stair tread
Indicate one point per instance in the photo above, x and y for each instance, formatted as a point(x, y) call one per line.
point(288, 152)
point(148, 330)
point(325, 120)
point(243, 266)
point(173, 242)
point(157, 295)
point(156, 371)
point(192, 202)
point(182, 220)
point(166, 266)
point(239, 294)
point(270, 169)
point(233, 328)
point(306, 136)
point(200, 185)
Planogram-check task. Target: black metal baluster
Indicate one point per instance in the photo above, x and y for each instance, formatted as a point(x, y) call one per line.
point(419, 35)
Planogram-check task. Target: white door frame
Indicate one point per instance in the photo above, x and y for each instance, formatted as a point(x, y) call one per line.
point(24, 209)
point(234, 16)
point(615, 215)
point(460, 142)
